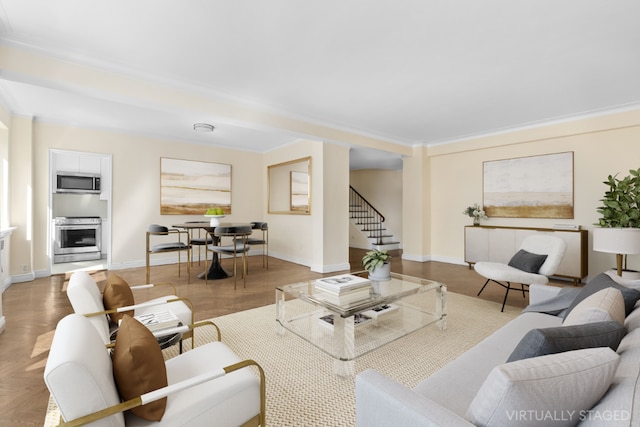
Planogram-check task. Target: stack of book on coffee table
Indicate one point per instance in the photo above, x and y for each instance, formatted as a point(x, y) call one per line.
point(343, 290)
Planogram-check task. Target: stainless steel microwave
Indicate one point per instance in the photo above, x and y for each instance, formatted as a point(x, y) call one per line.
point(77, 182)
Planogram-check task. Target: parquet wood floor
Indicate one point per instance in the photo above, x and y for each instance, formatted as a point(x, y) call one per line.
point(32, 310)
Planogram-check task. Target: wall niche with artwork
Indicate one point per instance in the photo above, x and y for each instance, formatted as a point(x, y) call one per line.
point(290, 187)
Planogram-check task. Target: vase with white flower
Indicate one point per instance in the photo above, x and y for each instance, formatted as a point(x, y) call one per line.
point(475, 212)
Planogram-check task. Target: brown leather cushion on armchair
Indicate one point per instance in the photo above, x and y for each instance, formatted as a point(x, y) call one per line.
point(117, 294)
point(138, 367)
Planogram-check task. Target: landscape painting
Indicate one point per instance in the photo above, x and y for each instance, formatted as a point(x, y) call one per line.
point(529, 187)
point(190, 187)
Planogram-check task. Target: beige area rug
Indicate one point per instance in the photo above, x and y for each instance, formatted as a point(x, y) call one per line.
point(301, 387)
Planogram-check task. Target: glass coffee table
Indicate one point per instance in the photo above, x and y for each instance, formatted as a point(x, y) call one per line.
point(391, 310)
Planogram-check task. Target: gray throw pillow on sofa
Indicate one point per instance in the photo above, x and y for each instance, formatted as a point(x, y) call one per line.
point(539, 342)
point(526, 261)
point(602, 281)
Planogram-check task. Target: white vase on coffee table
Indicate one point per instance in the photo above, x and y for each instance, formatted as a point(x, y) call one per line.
point(381, 273)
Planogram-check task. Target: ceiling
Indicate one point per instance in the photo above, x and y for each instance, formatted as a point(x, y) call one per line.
point(404, 72)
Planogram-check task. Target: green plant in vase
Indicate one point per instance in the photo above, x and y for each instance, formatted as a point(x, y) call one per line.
point(619, 224)
point(621, 203)
point(376, 262)
point(475, 212)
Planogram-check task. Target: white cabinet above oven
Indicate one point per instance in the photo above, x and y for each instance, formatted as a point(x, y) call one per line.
point(78, 162)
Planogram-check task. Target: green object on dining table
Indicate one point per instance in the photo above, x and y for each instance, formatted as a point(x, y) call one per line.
point(215, 211)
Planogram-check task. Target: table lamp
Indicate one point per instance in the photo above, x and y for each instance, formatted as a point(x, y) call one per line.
point(619, 241)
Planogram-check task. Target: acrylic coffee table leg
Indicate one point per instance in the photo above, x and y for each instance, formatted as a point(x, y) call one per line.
point(441, 306)
point(344, 341)
point(280, 314)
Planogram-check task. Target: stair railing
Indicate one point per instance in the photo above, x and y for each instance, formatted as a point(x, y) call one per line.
point(366, 215)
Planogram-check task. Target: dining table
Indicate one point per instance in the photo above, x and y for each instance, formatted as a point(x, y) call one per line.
point(215, 270)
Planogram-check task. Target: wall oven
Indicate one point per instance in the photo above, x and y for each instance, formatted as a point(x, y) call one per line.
point(77, 239)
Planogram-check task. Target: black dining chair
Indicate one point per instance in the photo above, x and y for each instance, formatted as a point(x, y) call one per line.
point(160, 233)
point(196, 238)
point(239, 245)
point(264, 240)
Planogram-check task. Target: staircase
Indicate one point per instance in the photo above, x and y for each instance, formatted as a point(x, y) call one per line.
point(370, 222)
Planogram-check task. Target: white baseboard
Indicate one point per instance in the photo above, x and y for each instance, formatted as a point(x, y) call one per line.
point(418, 258)
point(330, 268)
point(3, 323)
point(26, 277)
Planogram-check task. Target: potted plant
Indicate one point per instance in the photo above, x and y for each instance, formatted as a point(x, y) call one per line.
point(475, 212)
point(621, 203)
point(376, 262)
point(619, 224)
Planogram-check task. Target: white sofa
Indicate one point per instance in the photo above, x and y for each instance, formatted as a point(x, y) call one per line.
point(444, 398)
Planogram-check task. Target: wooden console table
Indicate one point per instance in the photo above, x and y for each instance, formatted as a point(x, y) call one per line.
point(499, 244)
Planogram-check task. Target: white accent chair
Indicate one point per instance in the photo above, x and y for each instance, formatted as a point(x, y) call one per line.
point(206, 386)
point(85, 297)
point(541, 244)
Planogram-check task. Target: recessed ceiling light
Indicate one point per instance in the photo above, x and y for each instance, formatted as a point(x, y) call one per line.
point(203, 127)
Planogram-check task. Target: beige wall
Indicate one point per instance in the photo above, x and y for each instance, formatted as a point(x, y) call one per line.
point(136, 186)
point(22, 181)
point(290, 235)
point(383, 189)
point(417, 218)
point(601, 146)
point(437, 184)
point(334, 233)
point(319, 240)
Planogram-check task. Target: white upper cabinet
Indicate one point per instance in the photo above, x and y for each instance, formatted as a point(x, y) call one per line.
point(78, 162)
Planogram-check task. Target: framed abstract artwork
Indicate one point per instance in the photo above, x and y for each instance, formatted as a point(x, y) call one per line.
point(529, 187)
point(189, 187)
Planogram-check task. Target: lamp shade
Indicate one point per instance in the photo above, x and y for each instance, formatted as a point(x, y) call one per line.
point(616, 240)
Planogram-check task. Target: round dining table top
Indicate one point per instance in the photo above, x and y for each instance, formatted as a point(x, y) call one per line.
point(230, 227)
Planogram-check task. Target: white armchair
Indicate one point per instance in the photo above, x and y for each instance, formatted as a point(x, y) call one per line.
point(527, 258)
point(85, 297)
point(206, 385)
